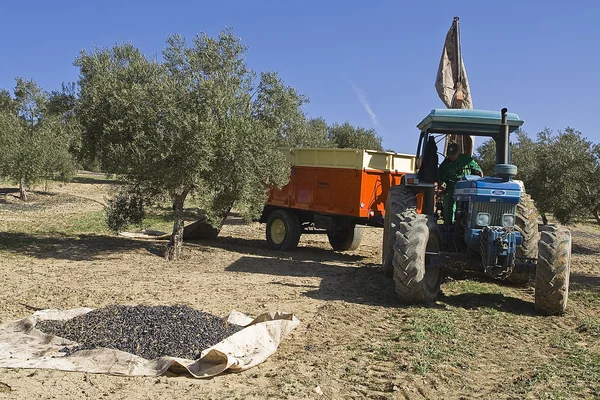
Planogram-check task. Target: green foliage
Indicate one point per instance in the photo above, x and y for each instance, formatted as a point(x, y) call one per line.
point(7, 103)
point(317, 134)
point(199, 123)
point(486, 157)
point(348, 136)
point(314, 134)
point(31, 101)
point(34, 145)
point(560, 170)
point(567, 175)
point(64, 102)
point(124, 209)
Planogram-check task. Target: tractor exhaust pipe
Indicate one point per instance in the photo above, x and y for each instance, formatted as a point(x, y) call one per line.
point(503, 168)
point(502, 155)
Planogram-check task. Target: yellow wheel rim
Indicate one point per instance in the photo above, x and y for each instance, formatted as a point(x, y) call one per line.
point(277, 231)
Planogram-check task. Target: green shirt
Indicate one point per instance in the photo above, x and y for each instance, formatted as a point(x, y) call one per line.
point(452, 171)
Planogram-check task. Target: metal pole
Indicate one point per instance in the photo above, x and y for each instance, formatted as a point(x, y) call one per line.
point(502, 150)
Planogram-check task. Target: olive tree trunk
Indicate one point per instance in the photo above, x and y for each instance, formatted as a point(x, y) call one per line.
point(173, 250)
point(22, 190)
point(202, 229)
point(596, 213)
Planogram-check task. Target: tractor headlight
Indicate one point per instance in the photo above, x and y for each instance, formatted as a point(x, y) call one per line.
point(508, 220)
point(483, 219)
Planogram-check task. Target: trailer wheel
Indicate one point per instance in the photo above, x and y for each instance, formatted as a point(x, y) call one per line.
point(553, 270)
point(345, 239)
point(418, 277)
point(283, 230)
point(399, 201)
point(526, 223)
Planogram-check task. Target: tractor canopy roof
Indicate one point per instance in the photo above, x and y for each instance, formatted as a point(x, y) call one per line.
point(467, 122)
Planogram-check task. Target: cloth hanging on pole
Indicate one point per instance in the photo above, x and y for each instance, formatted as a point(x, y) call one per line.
point(452, 84)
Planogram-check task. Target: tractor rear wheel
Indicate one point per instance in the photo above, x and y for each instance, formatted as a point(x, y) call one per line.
point(553, 270)
point(283, 230)
point(418, 276)
point(526, 223)
point(345, 239)
point(399, 201)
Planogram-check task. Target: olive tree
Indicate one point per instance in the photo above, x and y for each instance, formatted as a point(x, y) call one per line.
point(34, 144)
point(348, 136)
point(198, 123)
point(565, 179)
point(560, 170)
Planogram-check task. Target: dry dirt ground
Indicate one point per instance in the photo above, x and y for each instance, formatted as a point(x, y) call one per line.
point(480, 340)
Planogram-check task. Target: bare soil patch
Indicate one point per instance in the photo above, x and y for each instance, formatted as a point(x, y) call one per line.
point(481, 339)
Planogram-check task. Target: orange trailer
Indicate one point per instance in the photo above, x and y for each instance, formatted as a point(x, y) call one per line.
point(336, 191)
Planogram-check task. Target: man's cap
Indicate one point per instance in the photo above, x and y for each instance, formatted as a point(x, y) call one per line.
point(452, 149)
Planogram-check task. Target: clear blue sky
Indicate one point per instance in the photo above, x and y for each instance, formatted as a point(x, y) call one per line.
point(541, 59)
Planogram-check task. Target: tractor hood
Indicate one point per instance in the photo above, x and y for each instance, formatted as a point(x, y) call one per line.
point(487, 190)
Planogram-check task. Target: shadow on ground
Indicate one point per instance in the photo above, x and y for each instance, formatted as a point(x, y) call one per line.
point(580, 281)
point(585, 250)
point(496, 301)
point(366, 284)
point(353, 284)
point(90, 247)
point(75, 248)
point(259, 247)
point(96, 180)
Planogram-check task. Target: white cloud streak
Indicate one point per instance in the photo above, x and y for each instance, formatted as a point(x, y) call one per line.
point(362, 97)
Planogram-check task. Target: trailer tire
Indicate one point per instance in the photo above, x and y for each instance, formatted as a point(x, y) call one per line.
point(526, 223)
point(345, 239)
point(418, 277)
point(283, 230)
point(553, 270)
point(400, 200)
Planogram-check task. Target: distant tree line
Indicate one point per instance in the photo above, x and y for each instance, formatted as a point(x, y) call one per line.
point(561, 171)
point(39, 134)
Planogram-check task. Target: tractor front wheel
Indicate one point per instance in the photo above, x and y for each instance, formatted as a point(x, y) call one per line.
point(527, 224)
point(400, 201)
point(418, 276)
point(283, 230)
point(553, 270)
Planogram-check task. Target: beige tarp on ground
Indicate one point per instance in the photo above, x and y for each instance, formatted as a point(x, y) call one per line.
point(23, 346)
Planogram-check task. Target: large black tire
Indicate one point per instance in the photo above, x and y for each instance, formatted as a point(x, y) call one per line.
point(418, 277)
point(553, 270)
point(399, 201)
point(526, 222)
point(345, 239)
point(283, 230)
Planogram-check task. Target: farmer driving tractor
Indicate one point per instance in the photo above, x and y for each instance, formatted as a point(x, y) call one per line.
point(453, 169)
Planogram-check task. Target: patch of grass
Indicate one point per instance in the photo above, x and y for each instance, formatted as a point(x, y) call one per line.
point(90, 222)
point(589, 327)
point(588, 298)
point(575, 373)
point(474, 287)
point(426, 338)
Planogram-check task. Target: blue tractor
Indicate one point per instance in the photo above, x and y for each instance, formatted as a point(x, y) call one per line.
point(496, 227)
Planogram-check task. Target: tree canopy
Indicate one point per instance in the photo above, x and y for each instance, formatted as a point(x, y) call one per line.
point(199, 123)
point(34, 142)
point(348, 136)
point(560, 170)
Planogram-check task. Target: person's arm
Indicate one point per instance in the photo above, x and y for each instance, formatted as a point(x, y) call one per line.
point(443, 175)
point(444, 172)
point(475, 167)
